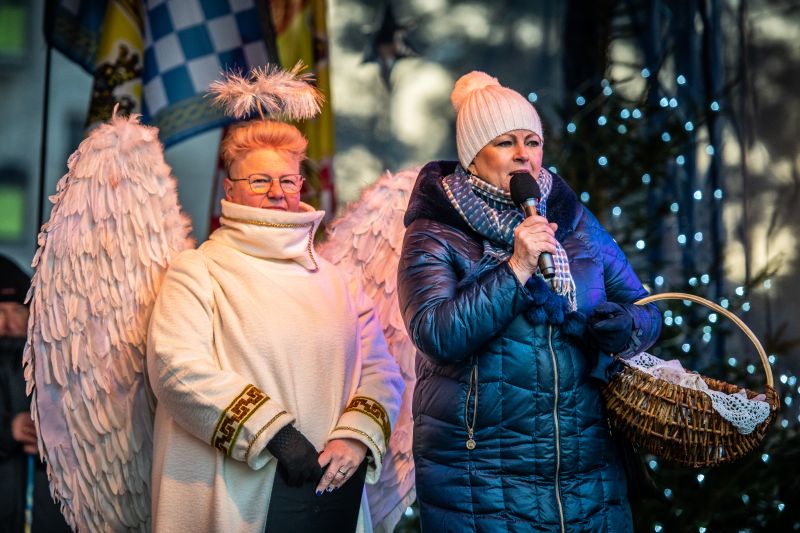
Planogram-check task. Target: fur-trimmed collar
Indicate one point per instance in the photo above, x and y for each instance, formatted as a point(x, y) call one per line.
point(428, 200)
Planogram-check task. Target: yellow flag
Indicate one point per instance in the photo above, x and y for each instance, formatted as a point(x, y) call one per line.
point(118, 62)
point(302, 33)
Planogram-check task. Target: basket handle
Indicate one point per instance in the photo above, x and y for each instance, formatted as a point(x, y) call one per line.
point(736, 320)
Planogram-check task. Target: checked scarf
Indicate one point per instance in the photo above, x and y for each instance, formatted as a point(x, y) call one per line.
point(490, 212)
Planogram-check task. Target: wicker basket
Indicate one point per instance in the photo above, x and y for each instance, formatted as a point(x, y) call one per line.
point(677, 423)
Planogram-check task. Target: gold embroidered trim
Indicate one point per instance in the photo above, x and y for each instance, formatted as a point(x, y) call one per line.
point(255, 222)
point(374, 410)
point(259, 432)
point(234, 416)
point(364, 433)
point(308, 247)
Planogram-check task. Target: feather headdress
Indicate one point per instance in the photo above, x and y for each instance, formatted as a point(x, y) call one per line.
point(268, 91)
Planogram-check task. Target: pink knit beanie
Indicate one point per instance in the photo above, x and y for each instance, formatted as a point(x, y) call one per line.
point(486, 109)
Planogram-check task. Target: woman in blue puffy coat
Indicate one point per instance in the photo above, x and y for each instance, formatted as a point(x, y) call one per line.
point(510, 431)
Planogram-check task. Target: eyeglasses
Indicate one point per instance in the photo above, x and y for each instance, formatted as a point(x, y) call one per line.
point(261, 183)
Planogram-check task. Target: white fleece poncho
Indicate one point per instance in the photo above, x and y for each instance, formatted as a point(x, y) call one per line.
point(251, 332)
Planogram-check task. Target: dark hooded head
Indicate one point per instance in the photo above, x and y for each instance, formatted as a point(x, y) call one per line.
point(14, 284)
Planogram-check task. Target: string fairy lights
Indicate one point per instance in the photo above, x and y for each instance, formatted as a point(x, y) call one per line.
point(643, 148)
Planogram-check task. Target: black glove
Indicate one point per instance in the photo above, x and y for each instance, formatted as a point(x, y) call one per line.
point(297, 457)
point(610, 327)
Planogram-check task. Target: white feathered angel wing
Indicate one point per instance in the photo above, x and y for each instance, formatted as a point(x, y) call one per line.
point(366, 240)
point(114, 226)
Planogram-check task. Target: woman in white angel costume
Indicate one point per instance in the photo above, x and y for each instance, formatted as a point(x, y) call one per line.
point(276, 395)
point(262, 354)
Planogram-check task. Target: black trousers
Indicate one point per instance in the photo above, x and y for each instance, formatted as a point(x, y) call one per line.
point(300, 510)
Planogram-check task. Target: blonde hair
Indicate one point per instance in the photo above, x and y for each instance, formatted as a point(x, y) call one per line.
point(262, 134)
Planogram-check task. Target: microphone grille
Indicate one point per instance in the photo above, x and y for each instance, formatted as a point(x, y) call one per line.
point(523, 186)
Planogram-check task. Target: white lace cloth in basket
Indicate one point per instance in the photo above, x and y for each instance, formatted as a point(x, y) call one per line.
point(743, 413)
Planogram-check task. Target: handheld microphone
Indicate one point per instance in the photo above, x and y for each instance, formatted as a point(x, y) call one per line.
point(526, 194)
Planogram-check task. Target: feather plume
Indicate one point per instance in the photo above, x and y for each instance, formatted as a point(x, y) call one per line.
point(365, 241)
point(114, 226)
point(269, 91)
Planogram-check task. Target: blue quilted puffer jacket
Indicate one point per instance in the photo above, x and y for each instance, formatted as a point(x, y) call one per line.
point(510, 432)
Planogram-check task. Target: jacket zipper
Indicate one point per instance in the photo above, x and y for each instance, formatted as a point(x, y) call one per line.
point(558, 433)
point(473, 386)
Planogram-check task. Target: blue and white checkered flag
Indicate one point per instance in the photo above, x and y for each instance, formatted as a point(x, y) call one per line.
point(188, 43)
